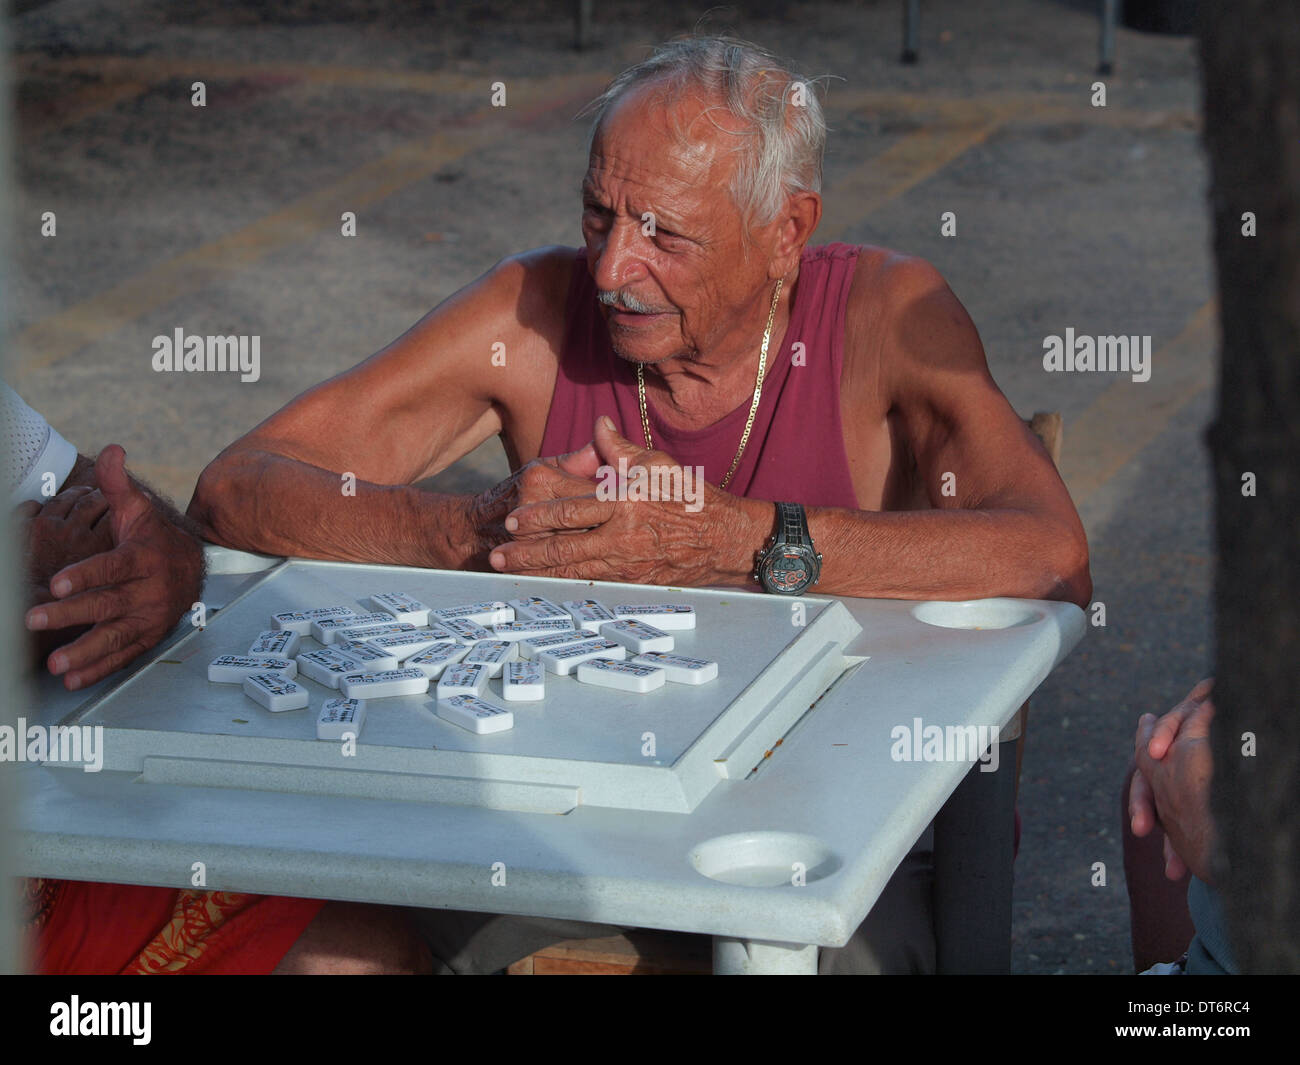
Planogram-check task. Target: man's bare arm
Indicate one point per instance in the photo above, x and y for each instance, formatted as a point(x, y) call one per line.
point(1002, 523)
point(402, 415)
point(1008, 529)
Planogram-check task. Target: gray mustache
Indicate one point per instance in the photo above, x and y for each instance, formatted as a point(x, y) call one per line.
point(625, 302)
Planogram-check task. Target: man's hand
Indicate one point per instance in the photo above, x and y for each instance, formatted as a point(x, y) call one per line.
point(131, 594)
point(544, 479)
point(1171, 787)
point(73, 524)
point(680, 541)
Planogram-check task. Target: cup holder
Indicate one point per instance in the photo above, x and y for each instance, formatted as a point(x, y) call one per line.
point(765, 859)
point(978, 614)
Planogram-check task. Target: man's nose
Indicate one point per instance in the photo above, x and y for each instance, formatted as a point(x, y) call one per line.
point(619, 261)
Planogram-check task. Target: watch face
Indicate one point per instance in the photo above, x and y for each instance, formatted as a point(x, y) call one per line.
point(787, 571)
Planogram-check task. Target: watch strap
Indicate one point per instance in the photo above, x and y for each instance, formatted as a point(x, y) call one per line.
point(792, 525)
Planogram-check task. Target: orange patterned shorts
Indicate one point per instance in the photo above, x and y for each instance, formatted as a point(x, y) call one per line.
point(83, 928)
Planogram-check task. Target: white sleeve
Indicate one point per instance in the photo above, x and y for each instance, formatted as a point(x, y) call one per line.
point(31, 450)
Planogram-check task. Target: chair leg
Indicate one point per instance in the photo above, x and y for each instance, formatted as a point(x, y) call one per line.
point(973, 854)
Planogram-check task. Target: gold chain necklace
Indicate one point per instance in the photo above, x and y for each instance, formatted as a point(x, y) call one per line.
point(753, 407)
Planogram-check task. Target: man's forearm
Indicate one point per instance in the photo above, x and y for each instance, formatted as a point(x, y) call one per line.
point(926, 554)
point(259, 501)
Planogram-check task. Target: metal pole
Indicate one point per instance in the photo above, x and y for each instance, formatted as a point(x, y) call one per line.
point(1109, 16)
point(582, 29)
point(973, 852)
point(911, 27)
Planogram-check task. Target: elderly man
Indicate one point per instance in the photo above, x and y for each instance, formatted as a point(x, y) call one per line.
point(836, 398)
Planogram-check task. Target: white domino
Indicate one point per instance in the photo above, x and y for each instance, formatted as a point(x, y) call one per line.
point(467, 632)
point(535, 608)
point(523, 681)
point(232, 669)
point(275, 643)
point(661, 616)
point(515, 631)
point(402, 606)
point(386, 684)
point(564, 660)
point(625, 676)
point(293, 620)
point(366, 657)
point(325, 629)
point(491, 653)
point(588, 614)
point(327, 666)
point(338, 717)
point(407, 644)
point(494, 613)
point(475, 714)
point(275, 692)
point(535, 645)
point(437, 658)
point(637, 636)
point(299, 621)
point(366, 633)
point(461, 679)
point(320, 613)
point(679, 668)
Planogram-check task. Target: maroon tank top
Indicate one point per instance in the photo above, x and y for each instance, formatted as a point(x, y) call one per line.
point(795, 452)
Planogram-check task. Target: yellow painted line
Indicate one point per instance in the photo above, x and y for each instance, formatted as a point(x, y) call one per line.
point(82, 103)
point(160, 68)
point(961, 110)
point(60, 335)
point(904, 164)
point(1129, 415)
point(964, 110)
point(56, 337)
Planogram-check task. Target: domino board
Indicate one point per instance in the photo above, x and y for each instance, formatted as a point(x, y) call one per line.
point(662, 751)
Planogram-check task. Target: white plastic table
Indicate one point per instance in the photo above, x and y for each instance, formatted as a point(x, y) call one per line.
point(773, 863)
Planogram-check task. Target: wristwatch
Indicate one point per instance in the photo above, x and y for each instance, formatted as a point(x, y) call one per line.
point(789, 563)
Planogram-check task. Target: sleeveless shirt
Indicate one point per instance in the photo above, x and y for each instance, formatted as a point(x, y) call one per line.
point(796, 450)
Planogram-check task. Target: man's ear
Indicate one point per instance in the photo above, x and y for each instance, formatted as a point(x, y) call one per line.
point(794, 227)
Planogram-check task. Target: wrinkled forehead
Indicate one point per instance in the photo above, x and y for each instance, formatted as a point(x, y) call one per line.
point(673, 138)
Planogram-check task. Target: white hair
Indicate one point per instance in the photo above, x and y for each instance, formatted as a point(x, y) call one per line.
point(784, 130)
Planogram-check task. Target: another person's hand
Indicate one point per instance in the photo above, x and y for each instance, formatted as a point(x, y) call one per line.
point(71, 524)
point(673, 541)
point(1171, 787)
point(131, 594)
